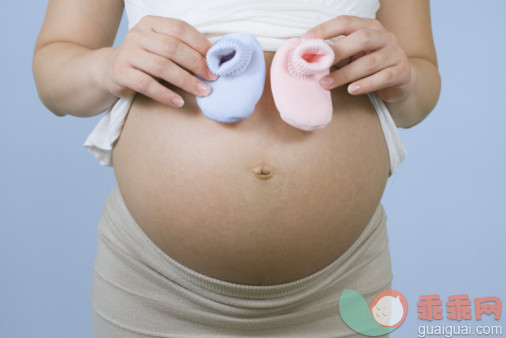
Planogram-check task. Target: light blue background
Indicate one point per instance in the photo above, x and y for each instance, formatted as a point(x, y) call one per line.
point(445, 203)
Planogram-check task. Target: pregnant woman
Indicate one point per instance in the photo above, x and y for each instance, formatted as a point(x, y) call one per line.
point(248, 228)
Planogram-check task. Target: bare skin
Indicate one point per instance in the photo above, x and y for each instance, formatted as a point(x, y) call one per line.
point(255, 202)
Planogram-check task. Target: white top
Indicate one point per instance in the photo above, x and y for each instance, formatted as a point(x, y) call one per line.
point(272, 22)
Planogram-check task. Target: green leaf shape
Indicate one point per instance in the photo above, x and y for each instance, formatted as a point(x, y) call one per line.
point(356, 314)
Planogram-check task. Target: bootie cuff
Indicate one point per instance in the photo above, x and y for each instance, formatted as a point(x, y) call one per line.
point(229, 57)
point(310, 57)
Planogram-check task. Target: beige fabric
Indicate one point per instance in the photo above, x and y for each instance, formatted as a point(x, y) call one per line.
point(139, 291)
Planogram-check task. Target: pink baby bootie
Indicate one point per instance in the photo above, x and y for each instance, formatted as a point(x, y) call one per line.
point(296, 70)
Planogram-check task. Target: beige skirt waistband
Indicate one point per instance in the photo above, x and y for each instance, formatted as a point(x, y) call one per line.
point(139, 289)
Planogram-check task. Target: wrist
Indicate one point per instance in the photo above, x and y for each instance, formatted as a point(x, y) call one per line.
point(414, 77)
point(100, 59)
point(409, 111)
point(101, 62)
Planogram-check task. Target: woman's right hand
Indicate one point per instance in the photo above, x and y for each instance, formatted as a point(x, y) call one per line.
point(158, 47)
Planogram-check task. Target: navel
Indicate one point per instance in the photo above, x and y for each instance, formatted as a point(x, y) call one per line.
point(263, 171)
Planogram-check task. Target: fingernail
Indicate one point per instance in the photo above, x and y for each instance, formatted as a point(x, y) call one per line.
point(353, 88)
point(307, 36)
point(177, 101)
point(211, 75)
point(203, 89)
point(326, 82)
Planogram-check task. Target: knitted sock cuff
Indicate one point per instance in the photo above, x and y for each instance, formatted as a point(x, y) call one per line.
point(310, 57)
point(229, 56)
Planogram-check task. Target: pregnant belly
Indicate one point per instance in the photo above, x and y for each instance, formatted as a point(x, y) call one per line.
point(256, 202)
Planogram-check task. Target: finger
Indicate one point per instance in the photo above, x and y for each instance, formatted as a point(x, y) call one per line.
point(357, 56)
point(179, 52)
point(361, 40)
point(164, 68)
point(343, 62)
point(380, 80)
point(182, 31)
point(341, 25)
point(383, 79)
point(358, 69)
point(146, 85)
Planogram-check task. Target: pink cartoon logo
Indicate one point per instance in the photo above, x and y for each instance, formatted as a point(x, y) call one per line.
point(389, 308)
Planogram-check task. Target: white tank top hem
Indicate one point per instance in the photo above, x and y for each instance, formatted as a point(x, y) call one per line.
point(271, 21)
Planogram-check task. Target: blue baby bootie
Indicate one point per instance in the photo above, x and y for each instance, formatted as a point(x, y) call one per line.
point(238, 60)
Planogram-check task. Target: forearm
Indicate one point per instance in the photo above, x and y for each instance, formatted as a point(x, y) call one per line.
point(422, 99)
point(66, 77)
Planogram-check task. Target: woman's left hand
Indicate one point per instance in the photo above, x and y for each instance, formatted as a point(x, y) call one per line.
point(370, 56)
